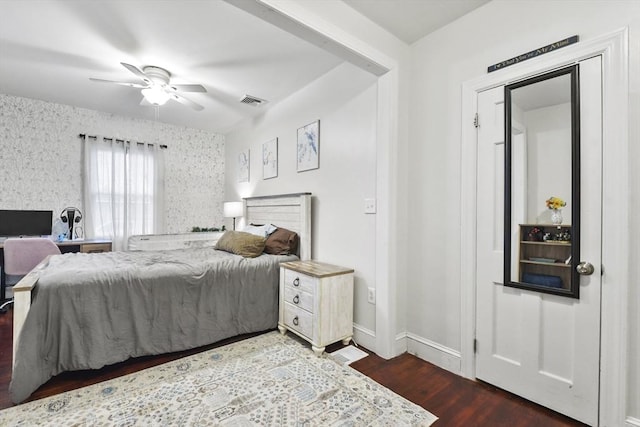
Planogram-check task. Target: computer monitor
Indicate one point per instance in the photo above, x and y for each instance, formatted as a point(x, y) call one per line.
point(25, 223)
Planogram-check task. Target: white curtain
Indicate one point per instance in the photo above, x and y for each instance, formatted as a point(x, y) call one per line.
point(123, 189)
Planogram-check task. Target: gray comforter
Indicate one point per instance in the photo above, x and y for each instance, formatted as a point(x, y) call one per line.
point(92, 310)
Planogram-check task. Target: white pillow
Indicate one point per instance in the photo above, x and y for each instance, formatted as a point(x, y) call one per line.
point(260, 230)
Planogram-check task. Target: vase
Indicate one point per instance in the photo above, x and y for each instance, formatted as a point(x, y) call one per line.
point(556, 216)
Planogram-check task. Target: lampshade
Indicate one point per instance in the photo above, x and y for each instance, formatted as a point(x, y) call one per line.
point(232, 209)
point(156, 95)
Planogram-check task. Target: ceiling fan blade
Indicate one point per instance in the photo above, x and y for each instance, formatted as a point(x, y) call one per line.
point(136, 85)
point(185, 101)
point(189, 88)
point(137, 71)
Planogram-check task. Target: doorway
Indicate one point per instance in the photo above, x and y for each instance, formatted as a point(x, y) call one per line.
point(615, 244)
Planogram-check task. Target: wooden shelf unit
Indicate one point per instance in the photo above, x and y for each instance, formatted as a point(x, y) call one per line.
point(557, 250)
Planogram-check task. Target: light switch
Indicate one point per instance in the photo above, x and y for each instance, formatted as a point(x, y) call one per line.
point(369, 206)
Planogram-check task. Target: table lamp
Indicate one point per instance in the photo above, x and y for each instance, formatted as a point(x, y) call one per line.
point(233, 210)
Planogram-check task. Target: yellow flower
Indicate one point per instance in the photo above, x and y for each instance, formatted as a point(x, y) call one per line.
point(555, 203)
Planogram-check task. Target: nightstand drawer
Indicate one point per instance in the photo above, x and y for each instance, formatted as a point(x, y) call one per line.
point(92, 248)
point(298, 298)
point(300, 281)
point(298, 319)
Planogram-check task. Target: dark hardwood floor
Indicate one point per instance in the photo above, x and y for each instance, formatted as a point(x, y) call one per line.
point(454, 400)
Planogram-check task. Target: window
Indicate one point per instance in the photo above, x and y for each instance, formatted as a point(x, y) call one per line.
point(124, 189)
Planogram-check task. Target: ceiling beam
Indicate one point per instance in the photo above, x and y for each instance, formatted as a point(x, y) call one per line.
point(285, 22)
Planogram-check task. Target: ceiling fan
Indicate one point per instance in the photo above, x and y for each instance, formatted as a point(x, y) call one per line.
point(156, 86)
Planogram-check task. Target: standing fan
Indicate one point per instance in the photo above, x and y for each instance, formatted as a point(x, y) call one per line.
point(156, 86)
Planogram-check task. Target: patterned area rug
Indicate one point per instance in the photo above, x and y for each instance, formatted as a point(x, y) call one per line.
point(271, 380)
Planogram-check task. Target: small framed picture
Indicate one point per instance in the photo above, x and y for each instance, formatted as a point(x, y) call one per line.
point(243, 166)
point(309, 146)
point(270, 159)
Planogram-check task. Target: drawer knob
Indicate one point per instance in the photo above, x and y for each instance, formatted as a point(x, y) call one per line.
point(296, 299)
point(295, 321)
point(296, 281)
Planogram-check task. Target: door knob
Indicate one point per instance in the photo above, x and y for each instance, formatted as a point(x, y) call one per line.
point(585, 268)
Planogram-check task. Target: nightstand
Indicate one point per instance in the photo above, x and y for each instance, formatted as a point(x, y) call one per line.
point(316, 302)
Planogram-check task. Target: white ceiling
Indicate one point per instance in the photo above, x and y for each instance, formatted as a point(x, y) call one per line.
point(50, 48)
point(411, 20)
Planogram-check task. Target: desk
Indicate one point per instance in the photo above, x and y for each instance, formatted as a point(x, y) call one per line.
point(66, 246)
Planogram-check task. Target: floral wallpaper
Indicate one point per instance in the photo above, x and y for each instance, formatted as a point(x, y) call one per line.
point(41, 160)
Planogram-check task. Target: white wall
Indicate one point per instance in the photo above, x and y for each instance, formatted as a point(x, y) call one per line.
point(338, 23)
point(344, 100)
point(444, 60)
point(41, 160)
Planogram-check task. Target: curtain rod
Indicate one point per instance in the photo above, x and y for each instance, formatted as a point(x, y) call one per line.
point(82, 135)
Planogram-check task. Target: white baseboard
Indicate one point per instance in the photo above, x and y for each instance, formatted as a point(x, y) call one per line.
point(632, 422)
point(364, 337)
point(367, 338)
point(402, 344)
point(432, 352)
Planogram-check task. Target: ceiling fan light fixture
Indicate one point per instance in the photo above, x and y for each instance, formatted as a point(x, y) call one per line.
point(157, 89)
point(156, 95)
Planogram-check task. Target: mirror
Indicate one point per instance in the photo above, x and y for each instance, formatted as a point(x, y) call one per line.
point(542, 183)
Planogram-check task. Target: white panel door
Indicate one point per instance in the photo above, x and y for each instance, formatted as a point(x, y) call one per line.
point(542, 347)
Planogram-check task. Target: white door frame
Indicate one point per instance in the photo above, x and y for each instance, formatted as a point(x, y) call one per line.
point(615, 180)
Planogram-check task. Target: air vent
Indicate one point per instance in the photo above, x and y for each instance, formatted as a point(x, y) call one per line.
point(252, 100)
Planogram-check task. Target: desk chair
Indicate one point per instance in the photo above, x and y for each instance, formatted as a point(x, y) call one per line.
point(21, 256)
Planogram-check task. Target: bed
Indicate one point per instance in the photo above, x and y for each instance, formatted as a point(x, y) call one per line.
point(86, 311)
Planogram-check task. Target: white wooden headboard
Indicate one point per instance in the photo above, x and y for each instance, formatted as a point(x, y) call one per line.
point(290, 211)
